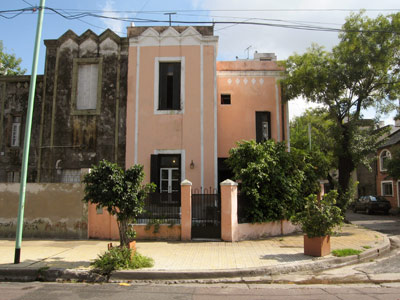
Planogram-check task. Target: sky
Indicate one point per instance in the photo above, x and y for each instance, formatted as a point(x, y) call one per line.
point(18, 33)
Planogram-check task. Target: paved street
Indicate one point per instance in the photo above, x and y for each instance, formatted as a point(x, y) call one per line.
point(389, 225)
point(46, 291)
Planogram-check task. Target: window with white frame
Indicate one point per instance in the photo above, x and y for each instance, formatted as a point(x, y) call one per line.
point(383, 159)
point(15, 131)
point(86, 93)
point(86, 86)
point(387, 188)
point(169, 87)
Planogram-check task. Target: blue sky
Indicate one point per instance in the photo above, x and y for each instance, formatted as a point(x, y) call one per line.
point(18, 33)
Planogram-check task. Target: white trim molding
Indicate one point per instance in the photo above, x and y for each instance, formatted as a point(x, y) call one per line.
point(170, 37)
point(381, 168)
point(398, 193)
point(201, 117)
point(176, 151)
point(215, 120)
point(382, 183)
point(137, 106)
point(157, 61)
point(278, 123)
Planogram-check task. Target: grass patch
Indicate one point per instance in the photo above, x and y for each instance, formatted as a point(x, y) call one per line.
point(367, 247)
point(345, 252)
point(121, 258)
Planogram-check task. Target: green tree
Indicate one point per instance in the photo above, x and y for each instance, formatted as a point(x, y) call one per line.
point(273, 180)
point(361, 71)
point(120, 191)
point(393, 164)
point(9, 64)
point(322, 141)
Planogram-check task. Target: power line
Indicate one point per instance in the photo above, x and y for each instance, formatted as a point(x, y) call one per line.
point(82, 14)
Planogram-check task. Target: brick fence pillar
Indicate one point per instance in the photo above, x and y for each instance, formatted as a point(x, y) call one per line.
point(229, 219)
point(186, 210)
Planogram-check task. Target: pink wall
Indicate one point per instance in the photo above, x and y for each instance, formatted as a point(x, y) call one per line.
point(252, 86)
point(173, 131)
point(104, 226)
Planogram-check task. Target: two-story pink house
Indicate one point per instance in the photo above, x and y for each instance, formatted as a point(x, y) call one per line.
point(185, 110)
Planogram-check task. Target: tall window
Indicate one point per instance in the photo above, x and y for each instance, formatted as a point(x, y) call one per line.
point(13, 176)
point(263, 126)
point(86, 94)
point(384, 158)
point(15, 131)
point(169, 97)
point(387, 188)
point(86, 86)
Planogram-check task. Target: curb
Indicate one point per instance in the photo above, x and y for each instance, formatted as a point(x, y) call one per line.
point(268, 274)
point(333, 262)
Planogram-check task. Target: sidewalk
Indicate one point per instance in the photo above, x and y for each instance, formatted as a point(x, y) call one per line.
point(197, 259)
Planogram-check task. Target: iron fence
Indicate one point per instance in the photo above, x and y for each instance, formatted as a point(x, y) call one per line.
point(164, 207)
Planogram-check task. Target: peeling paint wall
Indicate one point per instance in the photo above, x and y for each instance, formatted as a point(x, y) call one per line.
point(14, 93)
point(66, 138)
point(53, 210)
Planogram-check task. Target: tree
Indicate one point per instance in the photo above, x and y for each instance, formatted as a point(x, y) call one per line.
point(121, 192)
point(322, 141)
point(9, 64)
point(273, 180)
point(361, 71)
point(393, 164)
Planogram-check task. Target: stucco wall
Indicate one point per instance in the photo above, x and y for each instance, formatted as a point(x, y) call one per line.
point(51, 210)
point(248, 231)
point(104, 226)
point(253, 86)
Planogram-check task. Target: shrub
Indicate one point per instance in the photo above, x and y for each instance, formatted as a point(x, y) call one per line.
point(273, 181)
point(118, 258)
point(319, 218)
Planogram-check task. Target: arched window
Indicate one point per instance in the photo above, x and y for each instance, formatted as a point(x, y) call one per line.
point(383, 159)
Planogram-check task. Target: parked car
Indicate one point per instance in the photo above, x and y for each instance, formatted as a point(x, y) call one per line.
point(372, 204)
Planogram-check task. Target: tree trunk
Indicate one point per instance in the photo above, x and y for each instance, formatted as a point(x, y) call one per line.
point(345, 167)
point(123, 229)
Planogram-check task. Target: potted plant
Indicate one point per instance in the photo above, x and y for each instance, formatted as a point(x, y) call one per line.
point(318, 221)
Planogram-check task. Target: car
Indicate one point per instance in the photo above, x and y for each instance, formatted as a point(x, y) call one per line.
point(372, 204)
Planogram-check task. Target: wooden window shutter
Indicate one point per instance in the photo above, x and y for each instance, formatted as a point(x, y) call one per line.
point(176, 104)
point(162, 93)
point(155, 171)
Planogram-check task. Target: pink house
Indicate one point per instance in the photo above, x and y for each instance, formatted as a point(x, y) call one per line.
point(185, 110)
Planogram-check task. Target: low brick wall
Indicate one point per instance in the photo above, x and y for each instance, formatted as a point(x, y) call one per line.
point(249, 231)
point(53, 210)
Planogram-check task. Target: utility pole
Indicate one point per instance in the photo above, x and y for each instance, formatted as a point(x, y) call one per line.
point(169, 14)
point(27, 139)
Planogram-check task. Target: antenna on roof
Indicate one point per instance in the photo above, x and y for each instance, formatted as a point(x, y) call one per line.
point(169, 14)
point(248, 51)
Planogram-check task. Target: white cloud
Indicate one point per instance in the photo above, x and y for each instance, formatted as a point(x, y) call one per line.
point(283, 42)
point(115, 25)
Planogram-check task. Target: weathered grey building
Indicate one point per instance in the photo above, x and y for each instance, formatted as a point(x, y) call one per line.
point(79, 113)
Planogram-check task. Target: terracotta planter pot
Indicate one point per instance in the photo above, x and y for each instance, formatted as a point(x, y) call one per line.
point(317, 246)
point(132, 246)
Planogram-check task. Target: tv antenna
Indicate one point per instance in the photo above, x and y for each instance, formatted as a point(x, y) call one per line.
point(248, 51)
point(169, 14)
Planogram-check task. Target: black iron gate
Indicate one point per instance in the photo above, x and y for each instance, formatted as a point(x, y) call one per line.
point(206, 216)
